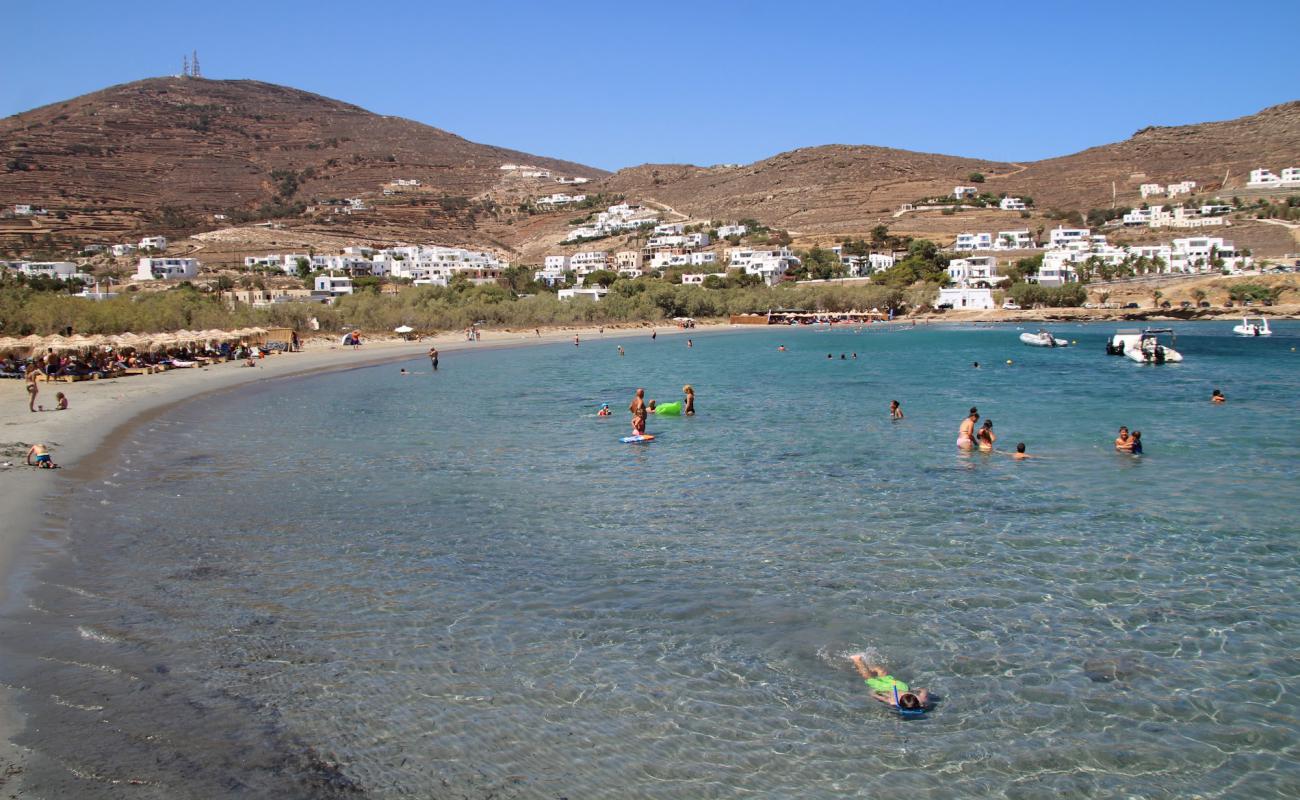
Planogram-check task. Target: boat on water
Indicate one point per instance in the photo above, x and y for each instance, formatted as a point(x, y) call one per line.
point(1043, 339)
point(1252, 326)
point(1146, 346)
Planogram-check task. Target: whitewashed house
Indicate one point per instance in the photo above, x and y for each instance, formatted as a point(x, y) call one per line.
point(670, 229)
point(120, 250)
point(1198, 254)
point(332, 285)
point(1068, 237)
point(1151, 190)
point(732, 230)
point(1057, 269)
point(588, 262)
point(1264, 179)
point(58, 270)
point(1012, 204)
point(158, 243)
point(697, 240)
point(770, 265)
point(1015, 240)
point(592, 293)
point(960, 192)
point(560, 263)
point(166, 269)
point(976, 271)
point(1183, 187)
point(662, 242)
point(251, 262)
point(697, 278)
point(973, 241)
point(965, 298)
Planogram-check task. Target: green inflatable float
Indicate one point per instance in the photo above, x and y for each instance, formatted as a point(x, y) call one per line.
point(669, 409)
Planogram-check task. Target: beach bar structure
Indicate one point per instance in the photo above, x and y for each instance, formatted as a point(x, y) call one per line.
point(794, 316)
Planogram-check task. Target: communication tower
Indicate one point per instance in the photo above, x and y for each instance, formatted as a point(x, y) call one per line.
point(194, 66)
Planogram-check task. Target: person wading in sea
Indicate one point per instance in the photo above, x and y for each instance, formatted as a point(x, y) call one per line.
point(638, 413)
point(966, 433)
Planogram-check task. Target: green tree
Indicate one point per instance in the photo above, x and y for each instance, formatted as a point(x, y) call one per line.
point(602, 277)
point(976, 177)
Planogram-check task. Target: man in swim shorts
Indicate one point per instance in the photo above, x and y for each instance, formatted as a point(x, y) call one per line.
point(882, 686)
point(433, 358)
point(637, 408)
point(1123, 442)
point(966, 433)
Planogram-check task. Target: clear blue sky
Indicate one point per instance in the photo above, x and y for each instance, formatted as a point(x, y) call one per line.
point(615, 84)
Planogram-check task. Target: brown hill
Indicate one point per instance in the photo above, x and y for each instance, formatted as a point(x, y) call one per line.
point(835, 187)
point(213, 146)
point(1204, 153)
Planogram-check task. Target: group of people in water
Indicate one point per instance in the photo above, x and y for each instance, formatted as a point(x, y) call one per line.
point(641, 409)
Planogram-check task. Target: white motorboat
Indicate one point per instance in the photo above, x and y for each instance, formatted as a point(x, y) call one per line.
point(1043, 339)
point(1253, 326)
point(1148, 348)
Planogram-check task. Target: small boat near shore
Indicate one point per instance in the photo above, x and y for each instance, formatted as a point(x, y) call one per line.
point(1253, 326)
point(1043, 339)
point(1145, 347)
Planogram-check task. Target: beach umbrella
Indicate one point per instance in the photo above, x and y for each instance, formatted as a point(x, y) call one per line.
point(403, 329)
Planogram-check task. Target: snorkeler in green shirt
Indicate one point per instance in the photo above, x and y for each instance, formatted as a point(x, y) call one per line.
point(882, 686)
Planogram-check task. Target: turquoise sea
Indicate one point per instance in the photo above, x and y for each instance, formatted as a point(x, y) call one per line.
point(462, 585)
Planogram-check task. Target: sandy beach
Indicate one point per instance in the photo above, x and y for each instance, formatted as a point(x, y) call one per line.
point(99, 410)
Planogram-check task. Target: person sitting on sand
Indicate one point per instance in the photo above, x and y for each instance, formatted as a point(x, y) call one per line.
point(1123, 442)
point(1136, 441)
point(689, 407)
point(42, 456)
point(604, 410)
point(882, 687)
point(895, 410)
point(1020, 454)
point(1217, 397)
point(61, 401)
point(966, 433)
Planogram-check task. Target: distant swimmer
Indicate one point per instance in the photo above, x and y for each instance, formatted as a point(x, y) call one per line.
point(895, 410)
point(404, 372)
point(828, 355)
point(1217, 397)
point(843, 357)
point(1020, 454)
point(985, 438)
point(855, 356)
point(637, 408)
point(885, 687)
point(654, 335)
point(620, 351)
point(1124, 442)
point(604, 410)
point(433, 358)
point(575, 340)
point(1136, 440)
point(689, 408)
point(976, 365)
point(780, 348)
point(966, 433)
point(690, 343)
point(42, 455)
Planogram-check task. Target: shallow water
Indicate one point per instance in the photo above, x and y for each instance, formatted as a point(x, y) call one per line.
point(461, 585)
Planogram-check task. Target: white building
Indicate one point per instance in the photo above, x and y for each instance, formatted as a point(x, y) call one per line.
point(574, 180)
point(1198, 254)
point(732, 230)
point(592, 293)
point(158, 243)
point(588, 262)
point(770, 265)
point(1057, 269)
point(670, 229)
point(973, 241)
point(264, 261)
point(1264, 179)
point(560, 199)
point(697, 240)
point(962, 298)
point(1150, 190)
point(120, 250)
point(664, 259)
point(964, 191)
point(560, 263)
point(661, 242)
point(1012, 204)
point(1184, 187)
point(59, 270)
point(166, 269)
point(979, 272)
point(1015, 240)
point(332, 285)
point(1067, 237)
point(1177, 217)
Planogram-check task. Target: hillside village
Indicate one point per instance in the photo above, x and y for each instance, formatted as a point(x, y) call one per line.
point(540, 225)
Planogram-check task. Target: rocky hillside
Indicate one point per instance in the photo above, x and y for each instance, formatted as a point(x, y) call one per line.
point(218, 146)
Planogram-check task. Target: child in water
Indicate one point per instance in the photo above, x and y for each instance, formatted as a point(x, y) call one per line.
point(604, 410)
point(882, 687)
point(1136, 439)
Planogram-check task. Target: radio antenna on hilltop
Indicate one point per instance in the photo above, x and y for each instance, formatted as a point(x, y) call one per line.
point(185, 66)
point(194, 66)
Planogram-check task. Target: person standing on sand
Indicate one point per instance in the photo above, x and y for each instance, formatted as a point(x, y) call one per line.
point(32, 388)
point(433, 358)
point(966, 433)
point(637, 408)
point(689, 408)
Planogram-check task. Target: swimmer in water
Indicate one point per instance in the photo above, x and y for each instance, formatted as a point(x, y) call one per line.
point(1123, 442)
point(985, 438)
point(976, 365)
point(575, 340)
point(404, 372)
point(650, 407)
point(1136, 440)
point(689, 407)
point(620, 351)
point(1217, 397)
point(780, 348)
point(690, 343)
point(966, 433)
point(895, 410)
point(433, 358)
point(604, 410)
point(883, 685)
point(1020, 454)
